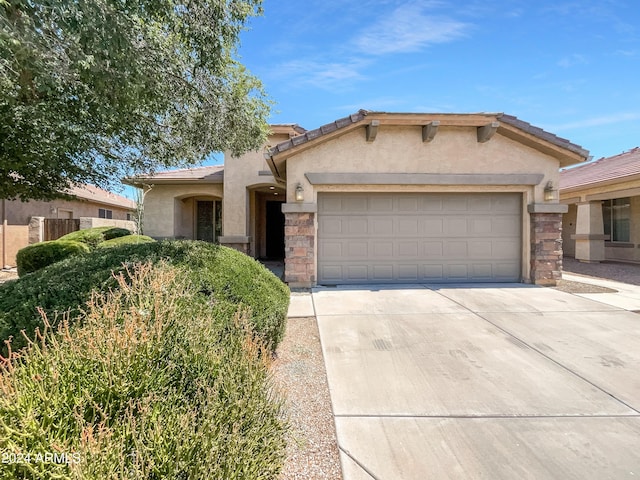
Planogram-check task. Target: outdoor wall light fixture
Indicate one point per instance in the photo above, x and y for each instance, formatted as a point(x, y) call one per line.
point(549, 192)
point(299, 193)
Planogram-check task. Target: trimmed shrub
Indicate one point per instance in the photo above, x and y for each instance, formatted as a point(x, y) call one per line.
point(39, 255)
point(127, 239)
point(93, 236)
point(219, 273)
point(156, 382)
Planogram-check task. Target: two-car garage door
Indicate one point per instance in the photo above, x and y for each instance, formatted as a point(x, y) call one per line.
point(419, 237)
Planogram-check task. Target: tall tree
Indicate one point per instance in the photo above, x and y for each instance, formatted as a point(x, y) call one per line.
point(91, 90)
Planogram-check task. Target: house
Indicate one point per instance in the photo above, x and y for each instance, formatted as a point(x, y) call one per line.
point(94, 204)
point(381, 197)
point(603, 218)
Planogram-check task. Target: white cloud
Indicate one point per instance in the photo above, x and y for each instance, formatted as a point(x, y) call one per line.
point(409, 28)
point(573, 60)
point(326, 75)
point(597, 121)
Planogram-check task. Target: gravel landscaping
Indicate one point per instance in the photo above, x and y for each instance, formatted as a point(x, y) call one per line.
point(299, 372)
point(620, 272)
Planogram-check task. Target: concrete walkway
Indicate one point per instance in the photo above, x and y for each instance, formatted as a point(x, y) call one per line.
point(495, 381)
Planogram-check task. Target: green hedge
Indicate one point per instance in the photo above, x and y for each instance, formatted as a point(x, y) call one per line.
point(39, 255)
point(221, 275)
point(94, 236)
point(156, 382)
point(127, 239)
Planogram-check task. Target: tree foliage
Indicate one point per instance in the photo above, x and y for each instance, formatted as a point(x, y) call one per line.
point(91, 90)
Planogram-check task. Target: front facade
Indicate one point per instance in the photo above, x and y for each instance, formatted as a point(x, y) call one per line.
point(603, 217)
point(384, 198)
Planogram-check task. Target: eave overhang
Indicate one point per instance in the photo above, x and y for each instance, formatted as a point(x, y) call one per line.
point(487, 124)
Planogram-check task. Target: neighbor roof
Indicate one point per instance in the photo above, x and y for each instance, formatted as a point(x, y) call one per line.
point(210, 174)
point(98, 195)
point(606, 169)
point(567, 152)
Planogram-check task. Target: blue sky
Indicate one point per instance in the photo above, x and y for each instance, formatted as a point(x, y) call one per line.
point(570, 67)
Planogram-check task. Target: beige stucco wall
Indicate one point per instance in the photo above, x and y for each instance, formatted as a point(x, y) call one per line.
point(400, 149)
point(19, 213)
point(17, 237)
point(168, 209)
point(241, 174)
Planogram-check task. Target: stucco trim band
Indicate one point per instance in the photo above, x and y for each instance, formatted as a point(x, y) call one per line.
point(589, 236)
point(299, 207)
point(423, 179)
point(547, 208)
point(234, 239)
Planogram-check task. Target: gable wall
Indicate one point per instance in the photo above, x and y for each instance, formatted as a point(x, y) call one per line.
point(454, 150)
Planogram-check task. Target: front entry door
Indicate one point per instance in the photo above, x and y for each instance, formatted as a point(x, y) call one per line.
point(275, 230)
point(205, 221)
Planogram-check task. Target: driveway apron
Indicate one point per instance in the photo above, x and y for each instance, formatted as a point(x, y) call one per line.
point(497, 381)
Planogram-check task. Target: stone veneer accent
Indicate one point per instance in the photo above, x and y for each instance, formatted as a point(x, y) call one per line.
point(299, 248)
point(546, 248)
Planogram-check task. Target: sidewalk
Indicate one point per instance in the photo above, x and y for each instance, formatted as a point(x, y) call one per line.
point(627, 296)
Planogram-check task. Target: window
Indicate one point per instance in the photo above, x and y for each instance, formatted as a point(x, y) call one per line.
point(128, 216)
point(102, 213)
point(616, 214)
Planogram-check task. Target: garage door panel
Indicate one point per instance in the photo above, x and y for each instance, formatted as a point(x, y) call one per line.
point(356, 204)
point(433, 249)
point(330, 225)
point(456, 226)
point(481, 226)
point(433, 272)
point(408, 226)
point(358, 249)
point(413, 237)
point(357, 273)
point(505, 249)
point(382, 250)
point(382, 204)
point(431, 204)
point(408, 203)
point(408, 249)
point(357, 226)
point(331, 250)
point(433, 227)
point(481, 249)
point(382, 226)
point(455, 203)
point(408, 272)
point(457, 271)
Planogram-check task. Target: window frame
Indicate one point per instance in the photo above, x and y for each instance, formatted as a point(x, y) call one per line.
point(614, 222)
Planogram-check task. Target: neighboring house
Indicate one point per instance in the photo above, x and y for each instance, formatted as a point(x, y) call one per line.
point(90, 202)
point(381, 197)
point(603, 220)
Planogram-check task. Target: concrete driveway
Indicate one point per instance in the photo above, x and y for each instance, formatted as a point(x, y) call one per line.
point(470, 382)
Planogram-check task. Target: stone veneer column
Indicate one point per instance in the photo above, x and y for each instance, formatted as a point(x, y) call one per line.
point(299, 245)
point(546, 243)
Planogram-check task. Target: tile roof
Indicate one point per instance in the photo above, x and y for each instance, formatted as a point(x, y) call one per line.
point(542, 134)
point(361, 114)
point(606, 169)
point(210, 174)
point(98, 195)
